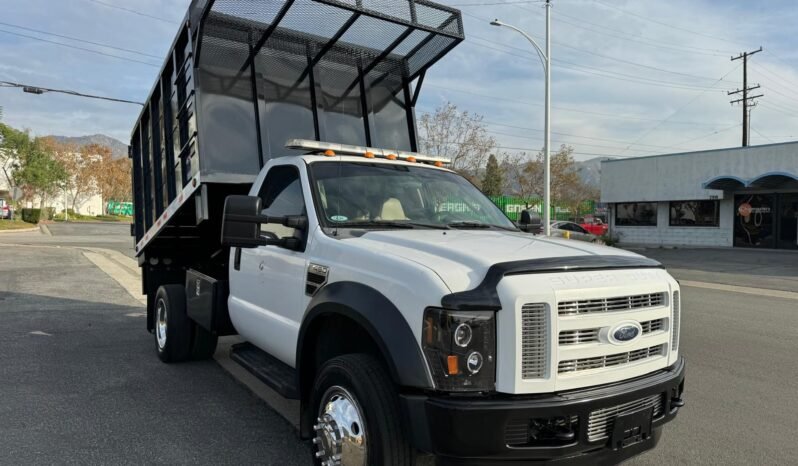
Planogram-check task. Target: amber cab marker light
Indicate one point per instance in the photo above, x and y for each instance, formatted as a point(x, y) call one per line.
point(329, 153)
point(391, 156)
point(411, 159)
point(453, 367)
point(369, 155)
point(438, 164)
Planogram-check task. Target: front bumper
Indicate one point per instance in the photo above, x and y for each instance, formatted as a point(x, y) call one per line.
point(469, 430)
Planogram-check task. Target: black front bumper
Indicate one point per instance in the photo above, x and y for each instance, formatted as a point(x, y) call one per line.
point(474, 430)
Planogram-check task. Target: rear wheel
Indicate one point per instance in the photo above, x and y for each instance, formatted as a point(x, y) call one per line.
point(173, 328)
point(358, 421)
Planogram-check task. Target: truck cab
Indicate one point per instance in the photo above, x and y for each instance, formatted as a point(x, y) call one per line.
point(280, 196)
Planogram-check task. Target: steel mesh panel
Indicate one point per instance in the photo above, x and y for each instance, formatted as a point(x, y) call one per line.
point(411, 42)
point(372, 34)
point(427, 53)
point(318, 22)
point(436, 17)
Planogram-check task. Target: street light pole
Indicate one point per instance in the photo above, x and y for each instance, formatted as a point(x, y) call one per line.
point(545, 60)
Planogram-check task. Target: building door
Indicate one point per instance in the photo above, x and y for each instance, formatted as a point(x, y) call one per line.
point(754, 221)
point(788, 221)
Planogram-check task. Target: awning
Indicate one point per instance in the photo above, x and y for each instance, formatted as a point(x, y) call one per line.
point(771, 180)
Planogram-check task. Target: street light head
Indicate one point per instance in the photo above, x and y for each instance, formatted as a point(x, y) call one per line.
point(496, 22)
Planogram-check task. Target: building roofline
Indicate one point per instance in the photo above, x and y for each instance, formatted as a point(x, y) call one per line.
point(708, 151)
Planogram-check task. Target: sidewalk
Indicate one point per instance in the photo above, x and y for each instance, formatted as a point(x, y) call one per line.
point(765, 269)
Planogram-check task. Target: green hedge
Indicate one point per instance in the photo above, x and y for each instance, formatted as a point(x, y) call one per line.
point(31, 215)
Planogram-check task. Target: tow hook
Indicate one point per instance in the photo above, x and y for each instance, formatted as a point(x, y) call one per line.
point(677, 402)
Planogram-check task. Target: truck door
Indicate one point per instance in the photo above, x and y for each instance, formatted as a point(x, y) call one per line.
point(267, 290)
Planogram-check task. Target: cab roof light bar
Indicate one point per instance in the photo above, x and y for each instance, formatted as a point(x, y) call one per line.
point(327, 148)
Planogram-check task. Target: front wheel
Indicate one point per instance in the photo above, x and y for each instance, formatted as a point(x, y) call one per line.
point(358, 421)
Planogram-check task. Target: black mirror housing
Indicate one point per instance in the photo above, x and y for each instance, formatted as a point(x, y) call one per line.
point(235, 231)
point(530, 223)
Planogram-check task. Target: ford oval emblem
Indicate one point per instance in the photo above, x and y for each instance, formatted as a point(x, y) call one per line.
point(626, 333)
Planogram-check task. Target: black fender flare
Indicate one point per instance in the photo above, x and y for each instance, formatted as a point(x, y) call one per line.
point(381, 319)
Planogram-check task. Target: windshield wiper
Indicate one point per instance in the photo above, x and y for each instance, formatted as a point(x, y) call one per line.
point(477, 225)
point(387, 223)
point(469, 225)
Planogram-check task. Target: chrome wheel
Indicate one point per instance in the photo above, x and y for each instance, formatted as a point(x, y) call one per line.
point(160, 324)
point(340, 430)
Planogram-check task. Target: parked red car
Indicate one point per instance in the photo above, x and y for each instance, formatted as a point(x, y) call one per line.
point(594, 225)
point(5, 210)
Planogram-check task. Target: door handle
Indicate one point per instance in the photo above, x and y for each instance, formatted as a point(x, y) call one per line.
point(261, 266)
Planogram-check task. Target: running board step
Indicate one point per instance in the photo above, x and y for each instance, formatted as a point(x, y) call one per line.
point(268, 369)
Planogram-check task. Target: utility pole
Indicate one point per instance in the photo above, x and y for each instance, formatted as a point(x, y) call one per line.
point(745, 90)
point(545, 60)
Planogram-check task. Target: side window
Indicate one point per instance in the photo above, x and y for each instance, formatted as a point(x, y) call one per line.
point(281, 195)
point(578, 228)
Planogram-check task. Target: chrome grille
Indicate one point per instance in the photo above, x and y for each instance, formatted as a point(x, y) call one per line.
point(576, 337)
point(610, 360)
point(675, 321)
point(534, 334)
point(650, 326)
point(601, 421)
point(621, 303)
point(591, 335)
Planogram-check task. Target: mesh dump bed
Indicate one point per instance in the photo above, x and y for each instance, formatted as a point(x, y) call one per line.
point(331, 70)
point(410, 33)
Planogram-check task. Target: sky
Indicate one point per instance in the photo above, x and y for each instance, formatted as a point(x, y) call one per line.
point(629, 78)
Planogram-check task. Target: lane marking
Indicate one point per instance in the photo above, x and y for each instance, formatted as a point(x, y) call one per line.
point(40, 333)
point(741, 289)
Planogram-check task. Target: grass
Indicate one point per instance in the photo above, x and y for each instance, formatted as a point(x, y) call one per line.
point(91, 218)
point(14, 225)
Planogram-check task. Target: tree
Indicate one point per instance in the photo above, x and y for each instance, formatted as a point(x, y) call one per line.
point(493, 181)
point(112, 176)
point(81, 168)
point(458, 136)
point(34, 167)
point(563, 173)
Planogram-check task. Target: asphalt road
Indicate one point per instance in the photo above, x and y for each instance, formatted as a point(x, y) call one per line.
point(80, 382)
point(90, 390)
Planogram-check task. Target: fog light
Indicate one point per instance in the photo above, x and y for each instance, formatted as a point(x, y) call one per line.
point(462, 335)
point(474, 362)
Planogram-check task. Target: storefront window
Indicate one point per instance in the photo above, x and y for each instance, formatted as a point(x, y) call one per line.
point(694, 214)
point(637, 214)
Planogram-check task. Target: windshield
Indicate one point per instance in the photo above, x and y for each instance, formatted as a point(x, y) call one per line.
point(381, 195)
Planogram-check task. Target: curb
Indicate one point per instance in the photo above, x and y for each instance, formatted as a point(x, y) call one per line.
point(21, 230)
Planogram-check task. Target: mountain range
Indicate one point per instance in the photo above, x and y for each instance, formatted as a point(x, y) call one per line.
point(118, 148)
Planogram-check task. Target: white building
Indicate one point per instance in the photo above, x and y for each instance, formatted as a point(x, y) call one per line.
point(740, 197)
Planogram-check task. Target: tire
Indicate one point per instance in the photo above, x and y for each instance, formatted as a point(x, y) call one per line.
point(173, 329)
point(364, 379)
point(203, 344)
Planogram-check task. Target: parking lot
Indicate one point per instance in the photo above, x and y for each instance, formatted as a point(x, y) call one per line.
point(80, 382)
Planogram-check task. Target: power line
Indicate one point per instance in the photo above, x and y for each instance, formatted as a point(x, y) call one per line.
point(509, 2)
point(652, 129)
point(41, 90)
point(135, 12)
point(567, 109)
point(79, 48)
point(608, 57)
point(570, 66)
point(671, 26)
point(80, 40)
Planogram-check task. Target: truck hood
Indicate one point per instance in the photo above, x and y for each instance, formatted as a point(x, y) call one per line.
point(462, 257)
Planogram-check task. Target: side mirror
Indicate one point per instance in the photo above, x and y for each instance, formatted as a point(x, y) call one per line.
point(241, 233)
point(530, 223)
point(241, 222)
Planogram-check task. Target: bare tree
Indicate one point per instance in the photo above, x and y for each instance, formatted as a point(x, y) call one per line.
point(458, 136)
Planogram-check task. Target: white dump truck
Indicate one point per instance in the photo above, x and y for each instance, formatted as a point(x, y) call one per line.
point(280, 196)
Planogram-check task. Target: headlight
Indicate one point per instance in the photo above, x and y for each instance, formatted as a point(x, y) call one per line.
point(460, 348)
